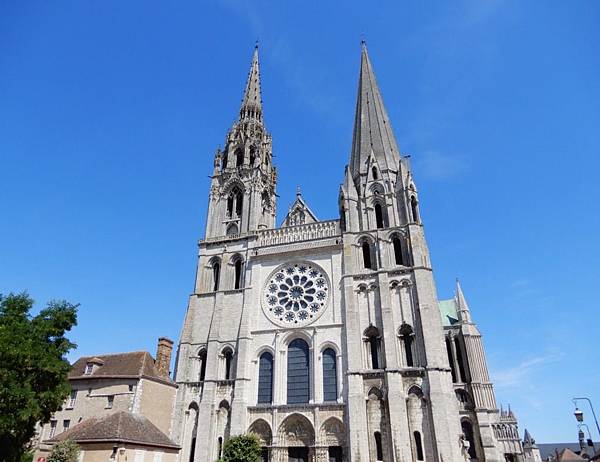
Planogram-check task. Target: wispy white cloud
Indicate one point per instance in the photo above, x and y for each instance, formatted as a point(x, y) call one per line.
point(520, 375)
point(438, 165)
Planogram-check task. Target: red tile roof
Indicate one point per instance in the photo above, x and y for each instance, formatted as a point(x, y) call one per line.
point(118, 427)
point(133, 364)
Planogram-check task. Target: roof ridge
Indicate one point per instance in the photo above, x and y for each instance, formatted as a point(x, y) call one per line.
point(114, 354)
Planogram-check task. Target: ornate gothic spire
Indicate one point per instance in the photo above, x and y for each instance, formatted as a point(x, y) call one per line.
point(372, 129)
point(251, 102)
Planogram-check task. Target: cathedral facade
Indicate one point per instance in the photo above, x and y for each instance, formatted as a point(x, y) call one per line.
point(327, 339)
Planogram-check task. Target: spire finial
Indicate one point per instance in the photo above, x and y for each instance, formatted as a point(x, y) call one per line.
point(298, 192)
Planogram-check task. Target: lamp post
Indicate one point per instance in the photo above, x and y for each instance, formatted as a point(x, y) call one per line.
point(579, 414)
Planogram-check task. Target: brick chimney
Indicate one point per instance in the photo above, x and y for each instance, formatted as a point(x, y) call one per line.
point(163, 356)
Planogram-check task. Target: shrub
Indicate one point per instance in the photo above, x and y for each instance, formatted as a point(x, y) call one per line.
point(241, 448)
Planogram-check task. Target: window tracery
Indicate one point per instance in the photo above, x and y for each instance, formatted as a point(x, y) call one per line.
point(296, 294)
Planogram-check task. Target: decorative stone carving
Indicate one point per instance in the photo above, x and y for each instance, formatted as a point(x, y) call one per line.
point(296, 294)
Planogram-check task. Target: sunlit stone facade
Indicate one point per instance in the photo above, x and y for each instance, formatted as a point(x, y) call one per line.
point(327, 338)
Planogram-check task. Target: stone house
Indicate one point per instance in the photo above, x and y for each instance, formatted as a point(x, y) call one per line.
point(120, 406)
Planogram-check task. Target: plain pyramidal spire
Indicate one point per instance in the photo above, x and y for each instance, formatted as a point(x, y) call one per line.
point(252, 101)
point(463, 308)
point(373, 133)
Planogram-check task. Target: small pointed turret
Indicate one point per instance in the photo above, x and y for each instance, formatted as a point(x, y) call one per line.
point(528, 441)
point(461, 302)
point(252, 102)
point(372, 129)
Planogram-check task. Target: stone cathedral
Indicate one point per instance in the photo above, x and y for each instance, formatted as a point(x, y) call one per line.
point(327, 339)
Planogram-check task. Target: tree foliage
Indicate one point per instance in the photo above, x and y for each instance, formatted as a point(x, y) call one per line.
point(242, 448)
point(33, 368)
point(64, 451)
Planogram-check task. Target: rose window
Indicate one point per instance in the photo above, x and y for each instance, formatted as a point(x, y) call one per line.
point(296, 294)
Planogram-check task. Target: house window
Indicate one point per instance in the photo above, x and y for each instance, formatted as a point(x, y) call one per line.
point(72, 399)
point(265, 378)
point(66, 424)
point(329, 375)
point(109, 401)
point(375, 174)
point(298, 372)
point(89, 368)
point(52, 428)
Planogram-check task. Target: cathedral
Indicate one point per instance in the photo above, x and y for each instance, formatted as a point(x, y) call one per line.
point(327, 339)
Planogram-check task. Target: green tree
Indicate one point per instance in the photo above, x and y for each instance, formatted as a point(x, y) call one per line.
point(33, 368)
point(242, 448)
point(64, 451)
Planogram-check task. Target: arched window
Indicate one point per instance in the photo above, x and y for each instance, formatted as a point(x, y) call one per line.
point(418, 445)
point(216, 274)
point(373, 341)
point(329, 375)
point(224, 163)
point(467, 430)
point(265, 378)
point(451, 360)
point(252, 155)
point(239, 202)
point(193, 419)
point(239, 157)
point(398, 254)
point(298, 372)
point(230, 205)
point(220, 446)
point(228, 357)
point(232, 229)
point(407, 335)
point(379, 217)
point(378, 446)
point(202, 358)
point(459, 360)
point(375, 173)
point(414, 209)
point(238, 266)
point(367, 254)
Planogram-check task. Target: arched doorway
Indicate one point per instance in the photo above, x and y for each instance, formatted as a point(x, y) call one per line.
point(263, 431)
point(332, 437)
point(298, 435)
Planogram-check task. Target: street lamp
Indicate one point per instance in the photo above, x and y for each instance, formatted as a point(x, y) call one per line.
point(579, 414)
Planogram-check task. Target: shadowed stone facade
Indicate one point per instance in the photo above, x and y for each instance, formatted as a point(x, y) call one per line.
point(327, 338)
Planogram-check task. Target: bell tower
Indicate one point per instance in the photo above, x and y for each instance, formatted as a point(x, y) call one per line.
point(242, 192)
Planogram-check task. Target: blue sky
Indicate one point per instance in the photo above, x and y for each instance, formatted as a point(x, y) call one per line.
point(111, 112)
